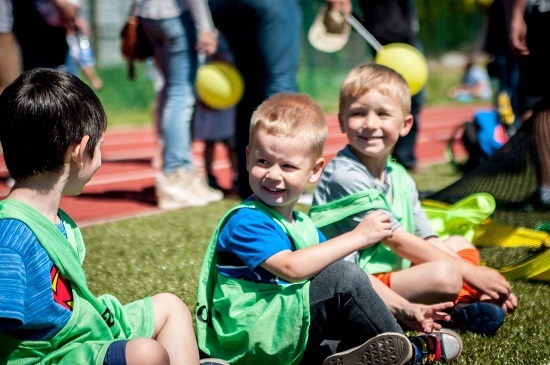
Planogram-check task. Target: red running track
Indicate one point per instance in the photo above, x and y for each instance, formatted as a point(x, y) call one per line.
point(124, 185)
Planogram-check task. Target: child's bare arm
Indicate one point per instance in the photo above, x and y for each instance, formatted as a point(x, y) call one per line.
point(303, 264)
point(418, 251)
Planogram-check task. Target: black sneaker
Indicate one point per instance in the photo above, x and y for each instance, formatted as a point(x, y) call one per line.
point(387, 348)
point(479, 317)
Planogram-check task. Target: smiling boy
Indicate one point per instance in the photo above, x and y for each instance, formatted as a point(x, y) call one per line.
point(361, 179)
point(269, 293)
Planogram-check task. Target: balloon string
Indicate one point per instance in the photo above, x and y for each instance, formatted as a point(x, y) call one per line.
point(364, 33)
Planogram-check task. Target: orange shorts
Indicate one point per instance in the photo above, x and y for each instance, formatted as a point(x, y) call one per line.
point(384, 277)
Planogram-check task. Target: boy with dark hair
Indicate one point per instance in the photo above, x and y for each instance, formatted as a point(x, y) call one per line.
point(362, 179)
point(269, 293)
point(51, 128)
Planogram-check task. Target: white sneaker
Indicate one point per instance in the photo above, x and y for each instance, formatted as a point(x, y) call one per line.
point(176, 191)
point(202, 189)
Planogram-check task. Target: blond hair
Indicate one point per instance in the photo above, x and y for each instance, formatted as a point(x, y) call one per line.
point(294, 116)
point(367, 77)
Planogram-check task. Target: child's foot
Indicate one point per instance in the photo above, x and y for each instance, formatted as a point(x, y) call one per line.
point(443, 346)
point(387, 348)
point(210, 361)
point(479, 317)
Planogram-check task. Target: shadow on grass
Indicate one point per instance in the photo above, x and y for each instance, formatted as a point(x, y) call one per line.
point(146, 195)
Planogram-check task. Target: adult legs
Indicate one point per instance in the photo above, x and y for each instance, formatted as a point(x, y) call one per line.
point(176, 59)
point(264, 36)
point(345, 312)
point(404, 148)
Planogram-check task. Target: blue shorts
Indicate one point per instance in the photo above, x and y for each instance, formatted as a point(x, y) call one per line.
point(116, 353)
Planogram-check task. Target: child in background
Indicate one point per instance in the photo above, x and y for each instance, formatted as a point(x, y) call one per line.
point(47, 313)
point(374, 113)
point(475, 84)
point(213, 125)
point(269, 293)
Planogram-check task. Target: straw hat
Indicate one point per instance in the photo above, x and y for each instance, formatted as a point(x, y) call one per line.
point(330, 31)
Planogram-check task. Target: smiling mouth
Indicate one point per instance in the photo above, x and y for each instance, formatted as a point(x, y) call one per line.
point(273, 190)
point(370, 138)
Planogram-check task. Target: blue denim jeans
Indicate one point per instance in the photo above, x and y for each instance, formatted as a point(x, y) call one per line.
point(264, 36)
point(173, 40)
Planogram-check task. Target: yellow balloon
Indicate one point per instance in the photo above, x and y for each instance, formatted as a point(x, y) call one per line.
point(406, 60)
point(219, 85)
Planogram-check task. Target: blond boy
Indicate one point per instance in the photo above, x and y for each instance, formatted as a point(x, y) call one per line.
point(374, 113)
point(269, 293)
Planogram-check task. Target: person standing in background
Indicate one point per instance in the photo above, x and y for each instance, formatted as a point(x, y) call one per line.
point(264, 36)
point(10, 62)
point(42, 44)
point(170, 27)
point(529, 28)
point(392, 21)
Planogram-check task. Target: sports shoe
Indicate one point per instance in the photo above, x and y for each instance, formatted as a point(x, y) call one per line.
point(175, 191)
point(211, 361)
point(479, 317)
point(387, 348)
point(201, 188)
point(443, 346)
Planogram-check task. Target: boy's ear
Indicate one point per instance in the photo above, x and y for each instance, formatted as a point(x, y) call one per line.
point(78, 149)
point(317, 170)
point(407, 125)
point(341, 122)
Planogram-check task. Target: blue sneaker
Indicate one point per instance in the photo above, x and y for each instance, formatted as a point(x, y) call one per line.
point(442, 346)
point(479, 317)
point(387, 348)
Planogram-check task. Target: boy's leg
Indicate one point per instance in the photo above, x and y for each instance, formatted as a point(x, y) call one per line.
point(174, 329)
point(429, 283)
point(345, 312)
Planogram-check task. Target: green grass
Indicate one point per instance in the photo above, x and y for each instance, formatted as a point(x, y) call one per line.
point(163, 252)
point(126, 102)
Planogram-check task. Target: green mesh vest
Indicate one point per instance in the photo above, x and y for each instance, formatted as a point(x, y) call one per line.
point(95, 322)
point(378, 258)
point(254, 323)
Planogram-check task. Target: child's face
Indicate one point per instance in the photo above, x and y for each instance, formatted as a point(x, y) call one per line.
point(279, 170)
point(373, 122)
point(84, 174)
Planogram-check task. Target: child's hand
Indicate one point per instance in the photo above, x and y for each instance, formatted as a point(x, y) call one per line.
point(508, 304)
point(375, 227)
point(422, 317)
point(490, 282)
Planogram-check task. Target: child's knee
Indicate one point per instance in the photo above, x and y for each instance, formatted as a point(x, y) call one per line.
point(146, 351)
point(458, 243)
point(169, 305)
point(446, 277)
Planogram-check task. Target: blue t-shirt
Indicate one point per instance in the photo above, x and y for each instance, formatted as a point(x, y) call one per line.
point(248, 238)
point(35, 299)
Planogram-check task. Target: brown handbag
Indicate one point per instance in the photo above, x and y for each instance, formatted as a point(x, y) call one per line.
point(134, 44)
